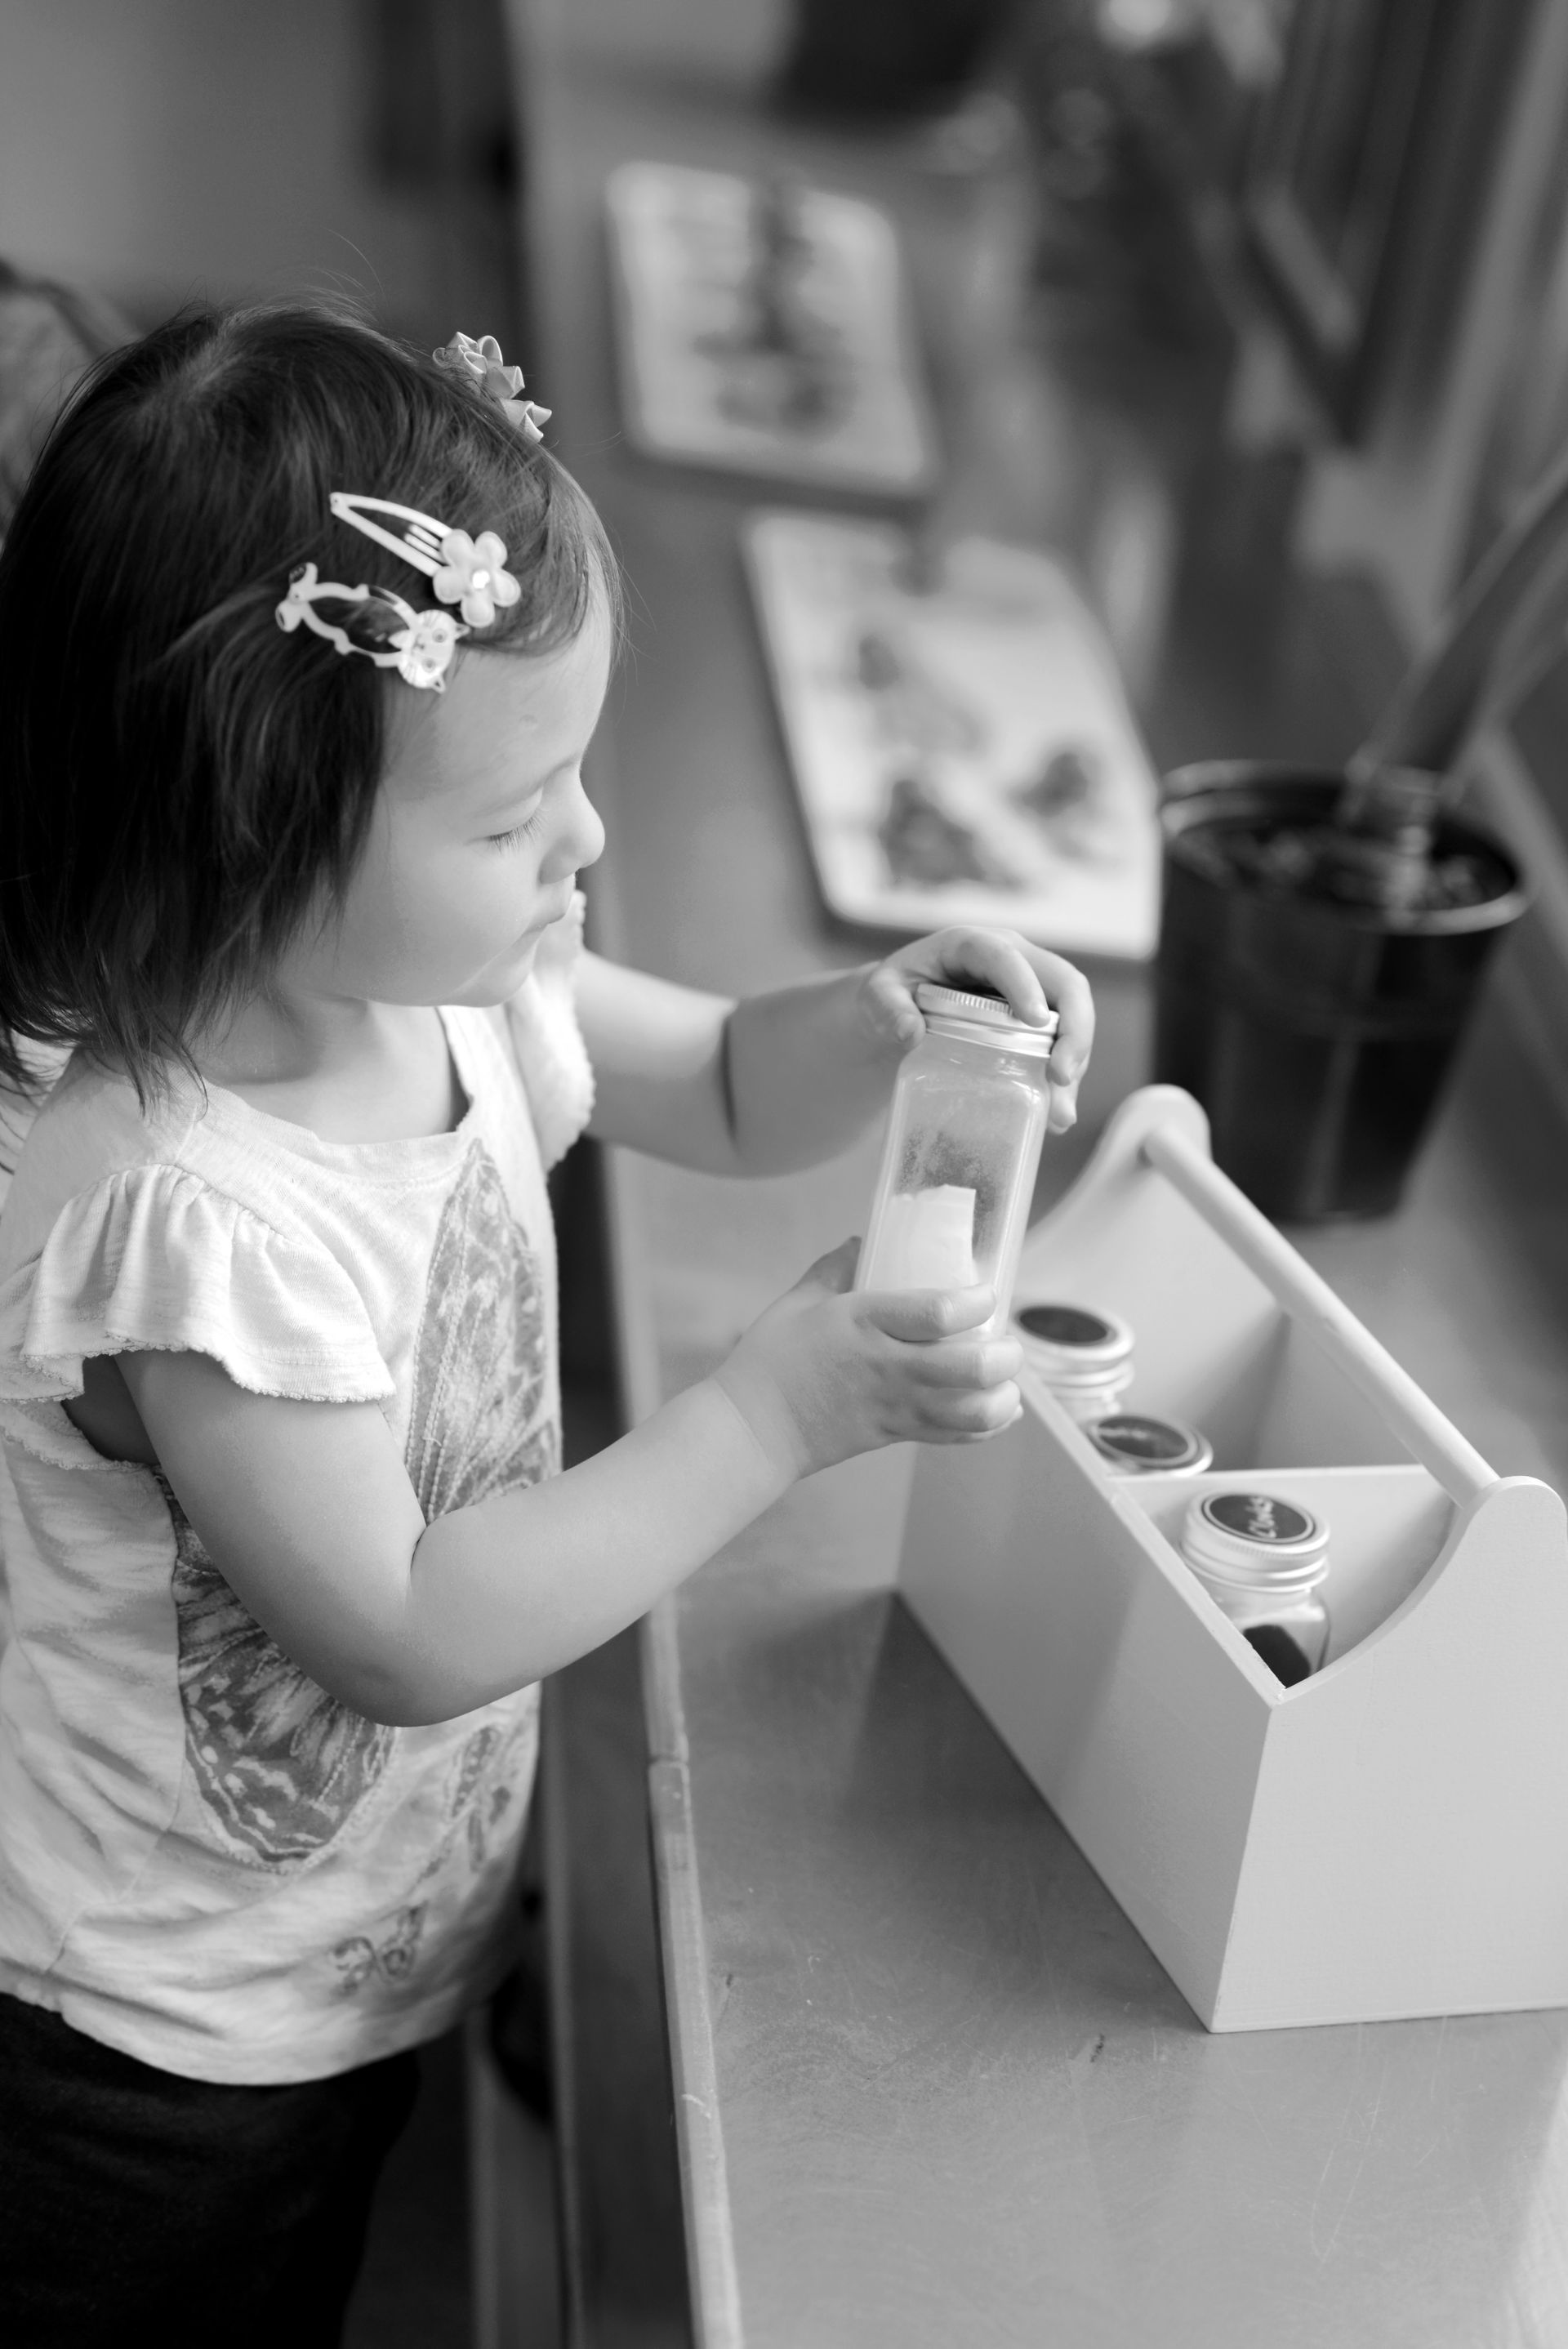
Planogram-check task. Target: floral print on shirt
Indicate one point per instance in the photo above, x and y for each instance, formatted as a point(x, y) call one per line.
point(282, 1766)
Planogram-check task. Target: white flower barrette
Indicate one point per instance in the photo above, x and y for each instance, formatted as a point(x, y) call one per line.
point(464, 571)
point(379, 624)
point(480, 358)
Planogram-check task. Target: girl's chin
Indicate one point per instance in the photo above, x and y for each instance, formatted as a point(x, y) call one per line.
point(501, 979)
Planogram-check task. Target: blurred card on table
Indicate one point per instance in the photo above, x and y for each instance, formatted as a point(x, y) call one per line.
point(762, 327)
point(963, 750)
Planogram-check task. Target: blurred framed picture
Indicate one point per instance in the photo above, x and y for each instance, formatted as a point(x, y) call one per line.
point(962, 747)
point(764, 327)
point(1365, 175)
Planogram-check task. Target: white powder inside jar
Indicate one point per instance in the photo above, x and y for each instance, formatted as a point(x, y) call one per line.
point(927, 1240)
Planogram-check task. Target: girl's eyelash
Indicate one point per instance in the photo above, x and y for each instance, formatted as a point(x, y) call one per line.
point(519, 831)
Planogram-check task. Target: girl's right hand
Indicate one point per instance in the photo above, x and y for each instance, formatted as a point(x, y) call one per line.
point(827, 1372)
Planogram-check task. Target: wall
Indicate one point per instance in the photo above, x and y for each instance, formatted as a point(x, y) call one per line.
point(157, 148)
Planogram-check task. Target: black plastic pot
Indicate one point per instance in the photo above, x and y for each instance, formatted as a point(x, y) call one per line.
point(1315, 1035)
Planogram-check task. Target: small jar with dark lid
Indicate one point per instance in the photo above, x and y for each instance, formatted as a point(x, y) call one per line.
point(1083, 1353)
point(1139, 1444)
point(962, 1148)
point(1262, 1559)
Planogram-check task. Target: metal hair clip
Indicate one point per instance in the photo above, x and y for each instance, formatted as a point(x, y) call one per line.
point(462, 570)
point(482, 360)
point(377, 623)
point(468, 572)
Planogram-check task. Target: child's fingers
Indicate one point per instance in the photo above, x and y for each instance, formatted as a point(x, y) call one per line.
point(972, 1435)
point(1075, 1040)
point(957, 1365)
point(1033, 981)
point(1002, 960)
point(952, 1418)
point(1074, 1001)
point(892, 1005)
point(920, 1316)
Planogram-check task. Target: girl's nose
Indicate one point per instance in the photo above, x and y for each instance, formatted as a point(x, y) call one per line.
point(580, 840)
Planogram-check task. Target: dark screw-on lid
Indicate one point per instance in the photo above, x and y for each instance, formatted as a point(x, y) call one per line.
point(1149, 1447)
point(1247, 1536)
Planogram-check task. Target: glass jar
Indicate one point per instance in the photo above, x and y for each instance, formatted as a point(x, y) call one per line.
point(1261, 1559)
point(1136, 1444)
point(962, 1147)
point(1082, 1352)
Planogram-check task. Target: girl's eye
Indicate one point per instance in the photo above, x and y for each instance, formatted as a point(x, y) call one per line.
point(520, 832)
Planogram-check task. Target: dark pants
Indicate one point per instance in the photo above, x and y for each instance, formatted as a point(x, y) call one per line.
point(138, 2204)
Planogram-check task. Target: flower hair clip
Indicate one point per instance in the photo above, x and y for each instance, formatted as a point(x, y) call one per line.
point(482, 360)
point(468, 572)
point(420, 644)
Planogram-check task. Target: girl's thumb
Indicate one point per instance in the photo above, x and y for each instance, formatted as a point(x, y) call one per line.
point(835, 1271)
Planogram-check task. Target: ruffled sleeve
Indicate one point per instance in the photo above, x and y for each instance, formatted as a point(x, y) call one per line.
point(557, 1074)
point(154, 1258)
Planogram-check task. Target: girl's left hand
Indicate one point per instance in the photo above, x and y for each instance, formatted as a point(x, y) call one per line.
point(1031, 980)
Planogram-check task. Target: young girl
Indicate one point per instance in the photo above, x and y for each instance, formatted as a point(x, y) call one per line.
point(305, 640)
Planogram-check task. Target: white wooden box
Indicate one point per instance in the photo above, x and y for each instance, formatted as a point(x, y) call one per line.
point(1386, 1838)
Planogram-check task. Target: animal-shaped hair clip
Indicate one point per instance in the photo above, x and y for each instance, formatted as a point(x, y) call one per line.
point(468, 572)
point(376, 622)
point(482, 360)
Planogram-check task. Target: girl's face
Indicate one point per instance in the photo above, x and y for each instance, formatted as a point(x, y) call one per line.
point(479, 829)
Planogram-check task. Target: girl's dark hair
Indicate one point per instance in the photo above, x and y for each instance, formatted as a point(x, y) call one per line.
point(179, 778)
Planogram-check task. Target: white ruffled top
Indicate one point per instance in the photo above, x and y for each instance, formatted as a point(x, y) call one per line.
point(205, 1859)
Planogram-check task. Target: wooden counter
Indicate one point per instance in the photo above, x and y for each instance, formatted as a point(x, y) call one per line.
point(931, 2088)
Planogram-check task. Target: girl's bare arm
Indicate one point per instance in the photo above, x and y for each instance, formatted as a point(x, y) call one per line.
point(307, 1511)
point(790, 1076)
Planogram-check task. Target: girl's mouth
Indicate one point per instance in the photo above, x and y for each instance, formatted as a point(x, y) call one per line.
point(543, 922)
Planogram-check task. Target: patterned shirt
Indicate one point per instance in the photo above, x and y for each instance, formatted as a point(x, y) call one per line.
point(205, 1858)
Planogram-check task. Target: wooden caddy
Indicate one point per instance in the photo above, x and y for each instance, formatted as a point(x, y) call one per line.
point(1387, 1839)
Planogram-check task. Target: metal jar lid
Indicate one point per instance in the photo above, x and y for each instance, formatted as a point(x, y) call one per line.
point(1142, 1445)
point(1255, 1540)
point(984, 1018)
point(1074, 1345)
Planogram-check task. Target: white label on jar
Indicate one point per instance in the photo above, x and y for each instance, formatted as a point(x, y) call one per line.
point(927, 1239)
